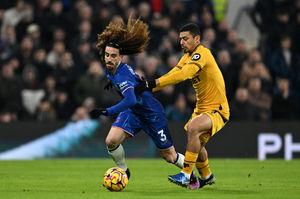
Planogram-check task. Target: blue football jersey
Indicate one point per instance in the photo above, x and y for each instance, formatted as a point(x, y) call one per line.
point(125, 78)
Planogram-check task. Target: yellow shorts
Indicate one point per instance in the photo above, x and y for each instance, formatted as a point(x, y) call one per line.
point(217, 124)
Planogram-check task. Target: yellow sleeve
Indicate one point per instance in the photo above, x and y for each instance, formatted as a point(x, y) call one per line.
point(179, 75)
point(174, 69)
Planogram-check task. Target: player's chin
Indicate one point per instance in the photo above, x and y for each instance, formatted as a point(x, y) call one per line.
point(109, 66)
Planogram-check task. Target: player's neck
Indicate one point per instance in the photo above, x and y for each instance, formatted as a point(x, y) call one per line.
point(191, 52)
point(113, 70)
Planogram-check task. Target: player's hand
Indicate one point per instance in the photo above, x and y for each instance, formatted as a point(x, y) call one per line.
point(108, 86)
point(144, 85)
point(95, 114)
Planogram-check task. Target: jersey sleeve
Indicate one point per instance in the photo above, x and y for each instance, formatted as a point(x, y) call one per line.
point(173, 70)
point(199, 59)
point(124, 83)
point(179, 75)
point(126, 87)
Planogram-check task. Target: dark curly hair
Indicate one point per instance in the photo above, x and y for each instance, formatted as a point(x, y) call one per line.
point(130, 39)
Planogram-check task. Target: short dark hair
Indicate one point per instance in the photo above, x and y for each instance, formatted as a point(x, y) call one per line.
point(192, 28)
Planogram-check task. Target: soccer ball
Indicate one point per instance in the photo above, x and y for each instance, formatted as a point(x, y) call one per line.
point(115, 179)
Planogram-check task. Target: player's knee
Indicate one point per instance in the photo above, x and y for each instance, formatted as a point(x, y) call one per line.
point(193, 131)
point(111, 143)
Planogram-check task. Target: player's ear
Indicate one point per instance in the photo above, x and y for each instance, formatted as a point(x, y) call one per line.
point(197, 38)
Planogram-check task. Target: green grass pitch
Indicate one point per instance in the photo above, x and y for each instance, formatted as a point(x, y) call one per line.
point(82, 178)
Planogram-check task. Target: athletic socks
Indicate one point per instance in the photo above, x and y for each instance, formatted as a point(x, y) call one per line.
point(118, 156)
point(204, 170)
point(179, 161)
point(189, 163)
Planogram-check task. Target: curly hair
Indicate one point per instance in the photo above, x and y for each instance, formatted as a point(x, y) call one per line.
point(130, 39)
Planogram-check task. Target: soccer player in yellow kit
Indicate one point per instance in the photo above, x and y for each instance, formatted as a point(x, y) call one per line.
point(211, 112)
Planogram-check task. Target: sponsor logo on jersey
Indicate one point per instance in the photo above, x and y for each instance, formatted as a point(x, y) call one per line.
point(196, 57)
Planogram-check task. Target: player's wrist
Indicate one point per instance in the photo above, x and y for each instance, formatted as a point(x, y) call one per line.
point(157, 82)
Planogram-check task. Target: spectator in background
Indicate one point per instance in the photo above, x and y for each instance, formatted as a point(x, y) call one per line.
point(284, 60)
point(58, 48)
point(22, 26)
point(50, 89)
point(229, 71)
point(42, 7)
point(241, 108)
point(13, 16)
point(166, 96)
point(257, 69)
point(166, 49)
point(285, 105)
point(63, 105)
point(45, 112)
point(179, 111)
point(80, 113)
point(151, 67)
point(39, 60)
point(59, 35)
point(66, 73)
point(33, 31)
point(91, 84)
point(259, 99)
point(10, 89)
point(207, 21)
point(25, 53)
point(32, 93)
point(83, 56)
point(240, 53)
point(8, 44)
point(54, 18)
point(281, 26)
point(84, 34)
point(231, 40)
point(209, 38)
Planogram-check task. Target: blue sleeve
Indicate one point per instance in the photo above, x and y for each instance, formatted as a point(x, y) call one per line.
point(128, 101)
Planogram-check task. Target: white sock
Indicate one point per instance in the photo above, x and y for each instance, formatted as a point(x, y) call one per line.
point(118, 156)
point(187, 175)
point(179, 161)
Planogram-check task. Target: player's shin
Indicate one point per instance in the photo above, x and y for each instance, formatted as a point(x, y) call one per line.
point(118, 156)
point(203, 168)
point(189, 163)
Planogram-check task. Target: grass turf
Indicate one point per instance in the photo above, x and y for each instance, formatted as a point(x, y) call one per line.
point(82, 178)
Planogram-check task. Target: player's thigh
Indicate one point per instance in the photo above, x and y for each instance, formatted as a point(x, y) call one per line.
point(158, 131)
point(200, 124)
point(128, 122)
point(115, 137)
point(217, 121)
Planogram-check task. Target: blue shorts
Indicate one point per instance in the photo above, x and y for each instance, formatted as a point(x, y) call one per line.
point(155, 127)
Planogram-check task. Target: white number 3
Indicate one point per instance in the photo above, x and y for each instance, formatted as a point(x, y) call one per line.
point(163, 137)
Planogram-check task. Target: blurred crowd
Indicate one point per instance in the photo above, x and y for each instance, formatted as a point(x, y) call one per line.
point(50, 68)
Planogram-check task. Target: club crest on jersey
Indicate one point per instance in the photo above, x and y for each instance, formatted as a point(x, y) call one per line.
point(196, 57)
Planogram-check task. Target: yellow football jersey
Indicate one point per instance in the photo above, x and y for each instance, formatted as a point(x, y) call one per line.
point(201, 68)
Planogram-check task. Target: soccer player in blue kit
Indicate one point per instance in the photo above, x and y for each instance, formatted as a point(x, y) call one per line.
point(136, 111)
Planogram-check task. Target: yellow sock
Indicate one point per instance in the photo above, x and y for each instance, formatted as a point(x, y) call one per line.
point(189, 162)
point(203, 168)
